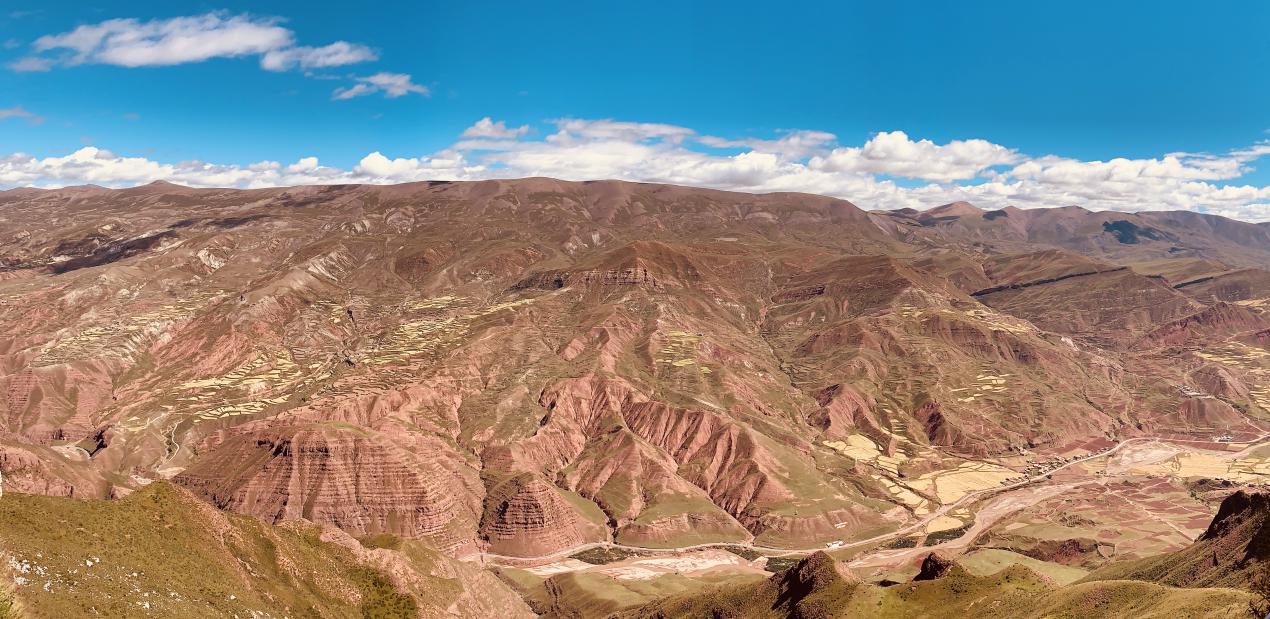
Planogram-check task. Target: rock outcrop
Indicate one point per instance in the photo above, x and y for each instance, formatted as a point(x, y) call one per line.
point(528, 515)
point(346, 477)
point(934, 566)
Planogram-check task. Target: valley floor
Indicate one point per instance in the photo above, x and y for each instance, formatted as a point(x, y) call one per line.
point(1138, 484)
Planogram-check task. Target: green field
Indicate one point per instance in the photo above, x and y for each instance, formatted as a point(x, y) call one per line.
point(988, 561)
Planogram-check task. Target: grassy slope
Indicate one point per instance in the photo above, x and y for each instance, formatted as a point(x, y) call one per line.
point(162, 552)
point(987, 561)
point(1013, 592)
point(597, 595)
point(9, 607)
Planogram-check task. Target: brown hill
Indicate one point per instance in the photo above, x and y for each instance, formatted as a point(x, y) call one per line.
point(1179, 271)
point(1109, 235)
point(1231, 286)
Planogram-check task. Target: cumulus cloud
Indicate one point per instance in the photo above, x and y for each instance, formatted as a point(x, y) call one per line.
point(487, 128)
point(446, 165)
point(894, 154)
point(393, 85)
point(182, 40)
point(986, 174)
point(99, 166)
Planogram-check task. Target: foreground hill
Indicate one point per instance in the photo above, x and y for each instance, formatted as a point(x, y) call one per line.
point(819, 587)
point(161, 552)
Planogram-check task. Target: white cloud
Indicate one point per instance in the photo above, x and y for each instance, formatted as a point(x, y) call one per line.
point(796, 161)
point(94, 165)
point(574, 130)
point(1059, 170)
point(444, 165)
point(393, 85)
point(18, 111)
point(14, 112)
point(305, 164)
point(487, 128)
point(159, 42)
point(894, 154)
point(31, 64)
point(356, 90)
point(794, 144)
point(86, 165)
point(182, 40)
point(336, 54)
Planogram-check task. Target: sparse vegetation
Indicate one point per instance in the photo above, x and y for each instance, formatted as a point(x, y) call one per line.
point(381, 540)
point(9, 607)
point(940, 537)
point(780, 564)
point(603, 555)
point(380, 599)
point(901, 542)
point(1259, 585)
point(743, 552)
point(162, 550)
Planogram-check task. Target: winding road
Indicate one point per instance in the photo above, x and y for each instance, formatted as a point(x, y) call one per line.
point(485, 557)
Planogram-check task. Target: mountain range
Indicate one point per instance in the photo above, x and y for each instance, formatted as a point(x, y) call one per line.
point(517, 371)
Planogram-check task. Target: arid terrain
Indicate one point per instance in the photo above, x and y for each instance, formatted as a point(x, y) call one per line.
point(538, 397)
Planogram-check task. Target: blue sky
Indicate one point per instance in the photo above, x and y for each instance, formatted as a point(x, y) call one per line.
point(1016, 102)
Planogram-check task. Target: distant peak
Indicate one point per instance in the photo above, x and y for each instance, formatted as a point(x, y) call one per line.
point(78, 189)
point(954, 209)
point(156, 187)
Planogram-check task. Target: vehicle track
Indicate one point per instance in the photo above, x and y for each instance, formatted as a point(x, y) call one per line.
point(485, 557)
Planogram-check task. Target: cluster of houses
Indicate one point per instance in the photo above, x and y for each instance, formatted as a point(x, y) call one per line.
point(1037, 469)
